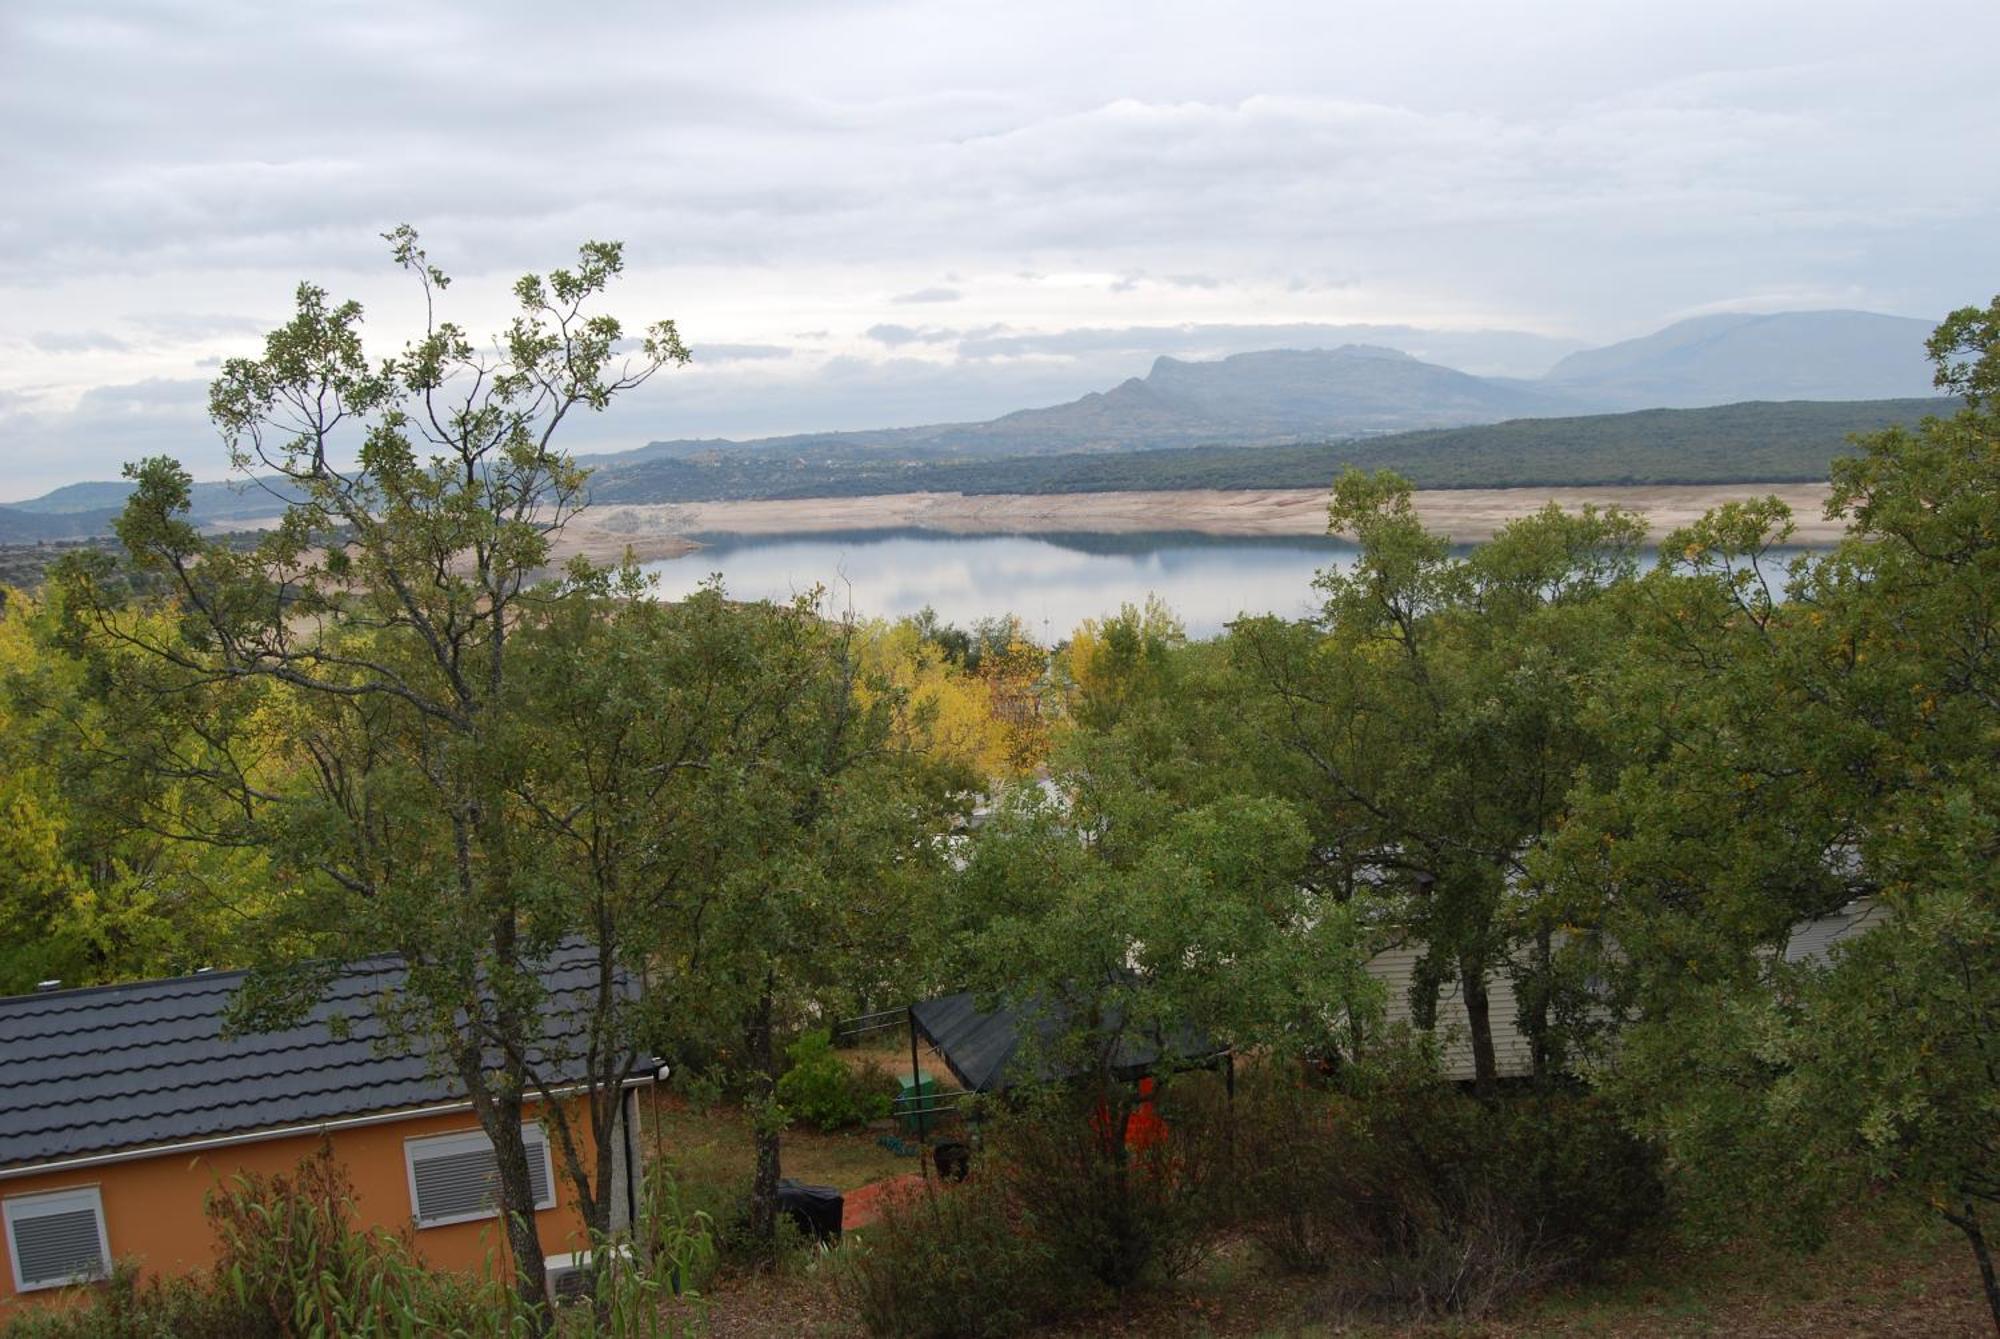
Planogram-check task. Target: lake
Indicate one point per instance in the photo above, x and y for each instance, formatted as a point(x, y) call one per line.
point(1051, 581)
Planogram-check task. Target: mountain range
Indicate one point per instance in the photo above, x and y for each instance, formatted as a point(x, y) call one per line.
point(1262, 399)
point(1357, 390)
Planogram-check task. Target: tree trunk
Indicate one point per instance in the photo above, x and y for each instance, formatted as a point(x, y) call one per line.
point(1479, 1022)
point(500, 1115)
point(1540, 992)
point(1969, 1225)
point(764, 1126)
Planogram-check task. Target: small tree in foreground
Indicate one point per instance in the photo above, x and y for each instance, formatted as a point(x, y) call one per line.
point(373, 634)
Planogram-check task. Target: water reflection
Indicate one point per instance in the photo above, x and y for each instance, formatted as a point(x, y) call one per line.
point(1052, 582)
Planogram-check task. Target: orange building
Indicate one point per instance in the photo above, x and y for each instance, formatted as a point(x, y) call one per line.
point(121, 1107)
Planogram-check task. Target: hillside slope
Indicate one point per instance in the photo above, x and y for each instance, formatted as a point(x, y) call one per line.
point(1248, 399)
point(1820, 355)
point(1758, 442)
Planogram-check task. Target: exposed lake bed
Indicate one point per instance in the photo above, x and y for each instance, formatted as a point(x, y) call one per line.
point(1056, 559)
point(1467, 515)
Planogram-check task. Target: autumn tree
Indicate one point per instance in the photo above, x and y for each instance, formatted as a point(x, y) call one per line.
point(94, 885)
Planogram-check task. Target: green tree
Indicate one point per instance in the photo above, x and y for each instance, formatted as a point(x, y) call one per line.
point(1132, 909)
point(1431, 721)
point(755, 815)
point(1790, 750)
point(821, 830)
point(93, 885)
point(383, 610)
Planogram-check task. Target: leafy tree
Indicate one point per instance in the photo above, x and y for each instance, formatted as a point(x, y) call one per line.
point(92, 885)
point(1788, 755)
point(1113, 661)
point(953, 705)
point(775, 856)
point(1129, 911)
point(1432, 715)
point(384, 610)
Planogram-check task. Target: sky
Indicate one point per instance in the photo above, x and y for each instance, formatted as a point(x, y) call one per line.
point(868, 214)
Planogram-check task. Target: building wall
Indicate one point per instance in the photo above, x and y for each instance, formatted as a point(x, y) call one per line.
point(1513, 1054)
point(153, 1206)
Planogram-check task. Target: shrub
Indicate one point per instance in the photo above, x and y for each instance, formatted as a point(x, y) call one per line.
point(1570, 1167)
point(127, 1307)
point(1293, 1192)
point(1124, 1215)
point(951, 1263)
point(821, 1090)
point(289, 1250)
point(679, 1241)
point(1405, 1193)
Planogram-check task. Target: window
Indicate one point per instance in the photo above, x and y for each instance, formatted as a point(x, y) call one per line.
point(56, 1238)
point(455, 1178)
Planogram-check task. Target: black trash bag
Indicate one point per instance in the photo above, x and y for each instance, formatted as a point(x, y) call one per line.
point(815, 1209)
point(954, 1161)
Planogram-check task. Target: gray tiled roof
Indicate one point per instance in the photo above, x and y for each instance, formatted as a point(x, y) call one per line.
point(108, 1068)
point(980, 1047)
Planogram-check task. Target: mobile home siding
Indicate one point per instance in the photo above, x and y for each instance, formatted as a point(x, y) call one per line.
point(153, 1207)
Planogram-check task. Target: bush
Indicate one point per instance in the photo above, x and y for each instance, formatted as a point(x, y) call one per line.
point(951, 1263)
point(289, 1250)
point(126, 1307)
point(678, 1240)
point(1408, 1194)
point(821, 1090)
point(1124, 1215)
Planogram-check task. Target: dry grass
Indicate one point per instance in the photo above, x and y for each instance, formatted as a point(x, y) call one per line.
point(1867, 1282)
point(710, 1150)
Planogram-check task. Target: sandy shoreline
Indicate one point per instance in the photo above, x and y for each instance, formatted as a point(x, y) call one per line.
point(1467, 515)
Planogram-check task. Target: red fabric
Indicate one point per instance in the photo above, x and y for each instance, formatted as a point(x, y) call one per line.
point(1144, 1128)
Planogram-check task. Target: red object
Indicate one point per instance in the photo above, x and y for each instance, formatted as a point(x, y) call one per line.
point(1144, 1127)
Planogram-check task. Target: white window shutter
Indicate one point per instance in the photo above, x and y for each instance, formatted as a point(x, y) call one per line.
point(57, 1238)
point(455, 1178)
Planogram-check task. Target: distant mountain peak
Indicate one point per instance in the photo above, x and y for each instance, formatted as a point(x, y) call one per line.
point(1167, 365)
point(1731, 356)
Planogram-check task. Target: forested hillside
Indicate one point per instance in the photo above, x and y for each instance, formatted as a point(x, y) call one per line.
point(1740, 443)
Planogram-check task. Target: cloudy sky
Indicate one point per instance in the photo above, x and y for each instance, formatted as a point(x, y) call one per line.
point(869, 214)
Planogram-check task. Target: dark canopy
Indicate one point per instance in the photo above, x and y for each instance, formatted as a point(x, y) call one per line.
point(980, 1047)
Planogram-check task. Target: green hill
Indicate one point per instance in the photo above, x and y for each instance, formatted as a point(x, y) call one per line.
point(1755, 442)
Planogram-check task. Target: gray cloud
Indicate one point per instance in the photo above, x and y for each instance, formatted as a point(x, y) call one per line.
point(740, 353)
point(1294, 166)
point(893, 335)
point(927, 295)
point(180, 326)
point(107, 426)
point(1487, 352)
point(77, 341)
point(897, 335)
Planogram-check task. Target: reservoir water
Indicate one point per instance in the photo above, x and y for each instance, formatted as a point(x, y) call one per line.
point(1051, 582)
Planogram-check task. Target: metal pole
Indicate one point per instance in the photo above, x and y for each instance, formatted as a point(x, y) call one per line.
point(916, 1076)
